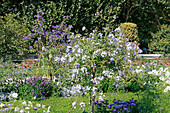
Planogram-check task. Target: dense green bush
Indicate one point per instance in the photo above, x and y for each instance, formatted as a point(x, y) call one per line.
point(160, 42)
point(130, 31)
point(82, 13)
point(12, 32)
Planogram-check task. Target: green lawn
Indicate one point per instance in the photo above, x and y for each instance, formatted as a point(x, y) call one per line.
point(149, 103)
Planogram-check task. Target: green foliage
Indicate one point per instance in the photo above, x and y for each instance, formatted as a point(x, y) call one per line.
point(36, 87)
point(82, 13)
point(130, 31)
point(160, 42)
point(12, 32)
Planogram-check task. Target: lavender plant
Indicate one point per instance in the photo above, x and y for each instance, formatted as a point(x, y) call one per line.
point(36, 87)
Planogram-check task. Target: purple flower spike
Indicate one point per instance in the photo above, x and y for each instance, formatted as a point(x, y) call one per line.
point(107, 103)
point(115, 101)
point(109, 107)
point(132, 101)
point(99, 107)
point(35, 108)
point(133, 104)
point(37, 60)
point(125, 109)
point(104, 105)
point(102, 101)
point(95, 102)
point(113, 110)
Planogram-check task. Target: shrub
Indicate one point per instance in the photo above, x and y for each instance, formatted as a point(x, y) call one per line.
point(12, 32)
point(130, 31)
point(160, 42)
point(36, 87)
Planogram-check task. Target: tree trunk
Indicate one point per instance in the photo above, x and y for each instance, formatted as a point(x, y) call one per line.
point(92, 104)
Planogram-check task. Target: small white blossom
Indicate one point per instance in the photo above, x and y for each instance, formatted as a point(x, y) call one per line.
point(74, 104)
point(82, 104)
point(103, 54)
point(83, 28)
point(14, 95)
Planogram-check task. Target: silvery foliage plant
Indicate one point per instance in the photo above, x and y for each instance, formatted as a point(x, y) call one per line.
point(8, 96)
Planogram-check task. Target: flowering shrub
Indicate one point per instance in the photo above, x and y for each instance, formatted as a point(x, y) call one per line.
point(36, 87)
point(99, 57)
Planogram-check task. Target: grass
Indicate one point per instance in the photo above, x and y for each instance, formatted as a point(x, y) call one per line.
point(148, 102)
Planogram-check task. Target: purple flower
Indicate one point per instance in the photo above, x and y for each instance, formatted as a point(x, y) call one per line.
point(42, 98)
point(35, 108)
point(102, 101)
point(109, 107)
point(30, 34)
point(115, 101)
point(37, 60)
point(95, 102)
point(113, 110)
point(99, 107)
point(99, 103)
point(132, 104)
point(25, 37)
point(104, 105)
point(107, 103)
point(6, 109)
point(132, 101)
point(56, 26)
point(125, 108)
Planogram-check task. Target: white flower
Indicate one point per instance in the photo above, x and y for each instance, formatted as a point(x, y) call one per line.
point(138, 71)
point(16, 109)
point(76, 71)
point(167, 82)
point(105, 73)
point(1, 105)
point(68, 48)
point(22, 111)
point(70, 59)
point(43, 48)
point(84, 69)
point(101, 98)
point(74, 104)
point(34, 97)
point(103, 54)
point(43, 106)
point(87, 88)
point(24, 103)
point(63, 59)
point(50, 56)
point(82, 104)
point(83, 28)
point(80, 50)
point(38, 105)
point(162, 78)
point(117, 29)
point(57, 59)
point(27, 108)
point(48, 109)
point(166, 89)
point(14, 95)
